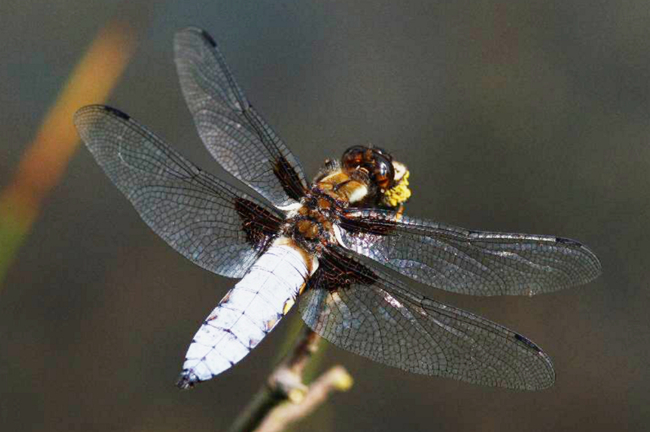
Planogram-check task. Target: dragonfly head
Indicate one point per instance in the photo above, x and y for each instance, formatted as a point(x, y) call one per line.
point(374, 161)
point(387, 177)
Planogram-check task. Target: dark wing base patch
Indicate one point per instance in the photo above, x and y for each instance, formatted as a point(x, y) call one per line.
point(259, 224)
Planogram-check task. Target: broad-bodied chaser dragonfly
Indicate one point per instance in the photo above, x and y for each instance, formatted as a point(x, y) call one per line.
point(329, 242)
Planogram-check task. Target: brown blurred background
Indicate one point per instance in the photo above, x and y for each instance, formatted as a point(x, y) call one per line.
point(528, 117)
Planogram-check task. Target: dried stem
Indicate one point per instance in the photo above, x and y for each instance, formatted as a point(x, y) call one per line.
point(284, 398)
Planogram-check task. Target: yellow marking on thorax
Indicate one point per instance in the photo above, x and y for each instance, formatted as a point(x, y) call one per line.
point(329, 182)
point(353, 191)
point(339, 186)
point(324, 204)
point(308, 229)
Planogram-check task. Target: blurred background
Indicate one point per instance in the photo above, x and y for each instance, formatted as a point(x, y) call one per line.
point(527, 117)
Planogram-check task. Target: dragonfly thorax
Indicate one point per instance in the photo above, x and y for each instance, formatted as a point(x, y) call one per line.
point(312, 224)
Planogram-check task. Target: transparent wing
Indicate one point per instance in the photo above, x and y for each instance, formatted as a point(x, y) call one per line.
point(359, 308)
point(468, 262)
point(209, 222)
point(234, 133)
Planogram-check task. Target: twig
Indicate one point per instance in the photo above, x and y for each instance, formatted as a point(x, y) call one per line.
point(285, 398)
point(337, 378)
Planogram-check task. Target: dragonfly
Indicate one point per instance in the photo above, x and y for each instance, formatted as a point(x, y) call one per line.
point(341, 245)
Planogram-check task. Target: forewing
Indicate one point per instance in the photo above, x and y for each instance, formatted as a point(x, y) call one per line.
point(359, 308)
point(468, 262)
point(209, 222)
point(234, 133)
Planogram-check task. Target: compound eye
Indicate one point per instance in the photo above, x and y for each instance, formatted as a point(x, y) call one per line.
point(384, 174)
point(382, 152)
point(353, 157)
